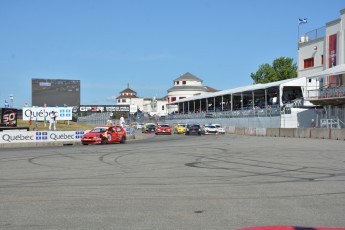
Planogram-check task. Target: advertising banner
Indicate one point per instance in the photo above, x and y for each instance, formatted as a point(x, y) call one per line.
point(12, 137)
point(103, 108)
point(8, 117)
point(332, 55)
point(44, 113)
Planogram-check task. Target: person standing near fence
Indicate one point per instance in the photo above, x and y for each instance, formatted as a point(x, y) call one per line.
point(52, 120)
point(122, 121)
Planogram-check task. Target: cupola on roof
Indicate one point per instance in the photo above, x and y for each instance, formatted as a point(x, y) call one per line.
point(188, 76)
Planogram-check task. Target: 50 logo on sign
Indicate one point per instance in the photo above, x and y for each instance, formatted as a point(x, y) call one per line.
point(9, 117)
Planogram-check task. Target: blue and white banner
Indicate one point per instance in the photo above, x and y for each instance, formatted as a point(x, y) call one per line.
point(44, 113)
point(12, 137)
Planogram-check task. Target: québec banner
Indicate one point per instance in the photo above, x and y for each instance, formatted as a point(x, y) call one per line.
point(40, 136)
point(44, 113)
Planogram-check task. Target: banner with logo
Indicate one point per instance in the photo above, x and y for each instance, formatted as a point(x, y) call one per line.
point(8, 117)
point(44, 113)
point(332, 49)
point(103, 108)
point(12, 137)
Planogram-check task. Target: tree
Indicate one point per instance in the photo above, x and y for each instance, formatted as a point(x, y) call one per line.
point(282, 68)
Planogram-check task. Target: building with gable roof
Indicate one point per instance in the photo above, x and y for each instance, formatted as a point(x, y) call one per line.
point(187, 85)
point(152, 106)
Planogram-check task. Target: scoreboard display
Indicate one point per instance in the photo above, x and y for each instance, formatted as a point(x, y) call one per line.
point(55, 92)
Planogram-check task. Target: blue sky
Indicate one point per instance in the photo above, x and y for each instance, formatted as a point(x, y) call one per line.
point(147, 43)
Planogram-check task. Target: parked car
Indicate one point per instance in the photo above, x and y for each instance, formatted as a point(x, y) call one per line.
point(193, 129)
point(209, 129)
point(104, 135)
point(220, 129)
point(163, 129)
point(180, 128)
point(149, 128)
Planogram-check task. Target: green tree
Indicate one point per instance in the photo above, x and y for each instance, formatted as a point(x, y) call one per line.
point(282, 68)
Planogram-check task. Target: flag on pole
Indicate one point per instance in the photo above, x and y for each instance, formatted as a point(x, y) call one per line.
point(302, 20)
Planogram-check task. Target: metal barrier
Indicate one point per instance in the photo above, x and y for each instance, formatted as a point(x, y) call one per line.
point(229, 114)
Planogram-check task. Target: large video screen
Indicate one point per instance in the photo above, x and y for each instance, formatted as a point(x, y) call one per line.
point(55, 92)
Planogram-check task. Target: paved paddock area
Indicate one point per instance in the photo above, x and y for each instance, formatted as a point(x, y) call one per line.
point(175, 182)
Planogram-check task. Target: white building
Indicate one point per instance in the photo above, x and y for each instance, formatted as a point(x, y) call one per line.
point(187, 85)
point(152, 106)
point(321, 59)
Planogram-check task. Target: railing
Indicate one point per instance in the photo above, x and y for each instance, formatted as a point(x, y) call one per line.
point(314, 34)
point(329, 123)
point(229, 114)
point(338, 91)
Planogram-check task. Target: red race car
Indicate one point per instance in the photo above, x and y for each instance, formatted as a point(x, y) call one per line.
point(163, 129)
point(105, 135)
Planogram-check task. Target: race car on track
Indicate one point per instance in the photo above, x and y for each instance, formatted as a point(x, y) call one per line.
point(193, 129)
point(105, 135)
point(220, 129)
point(148, 128)
point(163, 129)
point(180, 128)
point(209, 129)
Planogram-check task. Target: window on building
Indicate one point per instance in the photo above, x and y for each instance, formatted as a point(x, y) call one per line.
point(322, 59)
point(177, 82)
point(163, 107)
point(118, 100)
point(180, 98)
point(308, 63)
point(123, 100)
point(184, 82)
point(173, 98)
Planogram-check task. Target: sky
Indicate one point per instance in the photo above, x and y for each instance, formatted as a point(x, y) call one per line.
point(107, 44)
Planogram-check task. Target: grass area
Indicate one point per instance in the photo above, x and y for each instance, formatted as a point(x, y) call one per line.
point(61, 125)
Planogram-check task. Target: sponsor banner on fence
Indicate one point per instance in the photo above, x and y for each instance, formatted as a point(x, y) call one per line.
point(44, 113)
point(11, 137)
point(103, 108)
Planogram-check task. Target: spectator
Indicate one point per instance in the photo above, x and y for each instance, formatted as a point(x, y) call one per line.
point(52, 120)
point(313, 123)
point(122, 121)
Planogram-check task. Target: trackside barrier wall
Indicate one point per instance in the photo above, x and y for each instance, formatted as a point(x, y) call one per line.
point(338, 134)
point(261, 132)
point(322, 133)
point(250, 131)
point(46, 138)
point(317, 133)
point(286, 132)
point(273, 132)
point(302, 133)
point(239, 131)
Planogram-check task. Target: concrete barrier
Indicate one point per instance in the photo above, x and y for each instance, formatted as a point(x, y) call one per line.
point(320, 133)
point(260, 131)
point(338, 134)
point(250, 131)
point(230, 129)
point(272, 132)
point(239, 131)
point(302, 133)
point(286, 132)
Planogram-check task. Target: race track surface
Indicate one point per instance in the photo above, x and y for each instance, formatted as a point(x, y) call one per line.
point(175, 182)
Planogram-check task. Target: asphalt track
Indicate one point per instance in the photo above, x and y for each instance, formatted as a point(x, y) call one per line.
point(175, 182)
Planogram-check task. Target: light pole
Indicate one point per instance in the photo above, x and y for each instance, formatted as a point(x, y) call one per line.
point(11, 100)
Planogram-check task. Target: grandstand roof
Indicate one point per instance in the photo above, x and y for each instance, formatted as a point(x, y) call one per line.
point(288, 82)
